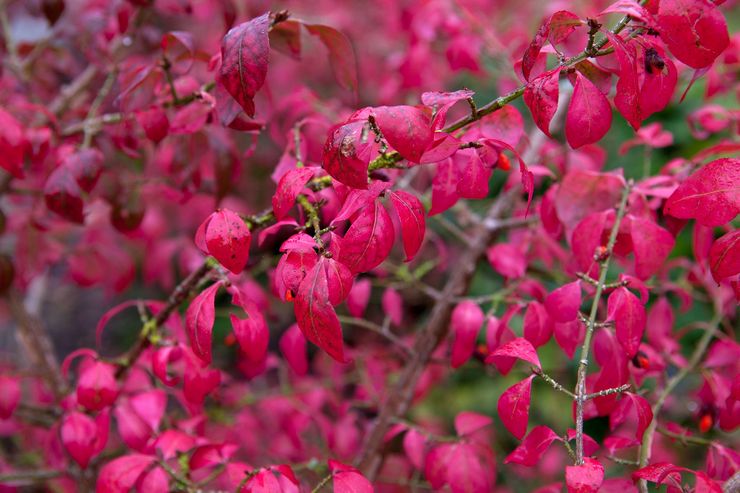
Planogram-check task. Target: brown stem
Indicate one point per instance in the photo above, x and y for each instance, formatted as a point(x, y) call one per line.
point(37, 344)
point(32, 476)
point(400, 397)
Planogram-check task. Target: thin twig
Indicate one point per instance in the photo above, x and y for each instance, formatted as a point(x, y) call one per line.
point(557, 386)
point(586, 348)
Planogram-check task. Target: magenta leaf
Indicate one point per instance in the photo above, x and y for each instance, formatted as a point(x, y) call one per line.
point(245, 52)
point(316, 316)
point(694, 30)
point(467, 319)
point(410, 213)
point(154, 122)
point(121, 474)
point(444, 187)
point(711, 195)
point(82, 437)
point(10, 396)
point(724, 256)
point(293, 346)
point(583, 192)
point(589, 114)
point(642, 410)
point(537, 324)
point(533, 50)
point(368, 240)
point(586, 478)
point(518, 348)
point(341, 54)
point(513, 407)
point(199, 319)
point(12, 144)
point(63, 195)
point(531, 450)
point(288, 188)
point(507, 259)
point(228, 238)
point(629, 318)
point(563, 303)
point(392, 305)
point(541, 97)
point(651, 245)
point(467, 423)
point(339, 280)
point(407, 129)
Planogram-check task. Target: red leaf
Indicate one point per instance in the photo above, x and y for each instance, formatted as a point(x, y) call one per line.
point(410, 213)
point(629, 317)
point(79, 435)
point(586, 478)
point(154, 122)
point(563, 303)
point(444, 187)
point(569, 335)
point(537, 324)
point(518, 348)
point(179, 49)
point(694, 30)
point(583, 192)
point(466, 321)
point(341, 54)
point(12, 144)
point(315, 315)
point(368, 240)
point(407, 129)
point(121, 474)
point(63, 196)
point(345, 157)
point(724, 256)
point(199, 319)
point(513, 407)
point(651, 245)
point(711, 195)
point(541, 97)
point(245, 52)
point(643, 412)
point(533, 50)
point(288, 188)
point(339, 280)
point(252, 334)
point(285, 37)
point(347, 479)
point(529, 452)
point(228, 238)
point(467, 423)
point(589, 114)
point(86, 165)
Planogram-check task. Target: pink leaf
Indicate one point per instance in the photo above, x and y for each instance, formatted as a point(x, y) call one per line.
point(589, 114)
point(12, 144)
point(444, 187)
point(586, 478)
point(10, 396)
point(711, 195)
point(518, 348)
point(458, 466)
point(79, 435)
point(315, 315)
point(288, 188)
point(410, 213)
point(97, 387)
point(347, 479)
point(569, 335)
point(368, 240)
point(531, 450)
point(642, 409)
point(407, 129)
point(694, 30)
point(651, 246)
point(341, 54)
point(414, 445)
point(467, 423)
point(121, 474)
point(583, 192)
point(541, 97)
point(563, 303)
point(392, 305)
point(629, 317)
point(358, 298)
point(252, 334)
point(513, 407)
point(199, 319)
point(724, 256)
point(507, 259)
point(245, 52)
point(293, 346)
point(339, 280)
point(537, 324)
point(467, 319)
